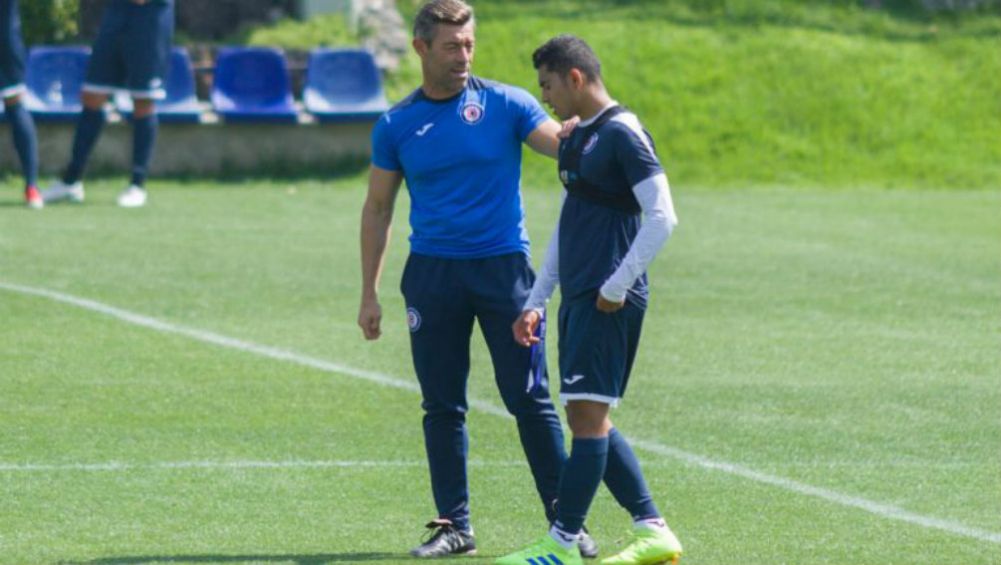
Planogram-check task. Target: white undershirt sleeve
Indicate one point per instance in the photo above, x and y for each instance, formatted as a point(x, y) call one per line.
point(659, 220)
point(549, 273)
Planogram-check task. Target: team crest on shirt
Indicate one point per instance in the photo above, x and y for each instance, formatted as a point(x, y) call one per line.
point(567, 177)
point(413, 319)
point(592, 142)
point(472, 113)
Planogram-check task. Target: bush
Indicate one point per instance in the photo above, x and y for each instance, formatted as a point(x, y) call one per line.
point(332, 30)
point(49, 21)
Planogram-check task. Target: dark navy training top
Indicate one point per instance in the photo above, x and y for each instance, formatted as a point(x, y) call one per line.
point(594, 237)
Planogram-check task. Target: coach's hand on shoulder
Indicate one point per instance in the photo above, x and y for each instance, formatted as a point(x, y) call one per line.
point(370, 319)
point(524, 328)
point(567, 127)
point(607, 306)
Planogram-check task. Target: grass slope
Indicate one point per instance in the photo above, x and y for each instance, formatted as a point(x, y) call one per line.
point(765, 92)
point(737, 101)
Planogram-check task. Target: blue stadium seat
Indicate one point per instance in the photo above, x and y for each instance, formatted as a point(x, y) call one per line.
point(252, 85)
point(181, 104)
point(343, 85)
point(54, 79)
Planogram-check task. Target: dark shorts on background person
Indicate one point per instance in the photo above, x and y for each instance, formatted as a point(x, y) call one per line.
point(12, 51)
point(132, 50)
point(597, 350)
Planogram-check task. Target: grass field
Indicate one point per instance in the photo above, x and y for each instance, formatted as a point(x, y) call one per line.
point(819, 382)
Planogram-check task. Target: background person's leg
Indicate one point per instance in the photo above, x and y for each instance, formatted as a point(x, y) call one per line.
point(105, 73)
point(89, 126)
point(25, 138)
point(147, 41)
point(145, 126)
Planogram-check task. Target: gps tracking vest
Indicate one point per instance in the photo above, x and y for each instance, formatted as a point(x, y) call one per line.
point(582, 142)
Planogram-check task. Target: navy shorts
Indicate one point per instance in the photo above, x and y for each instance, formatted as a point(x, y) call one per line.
point(132, 50)
point(12, 52)
point(597, 350)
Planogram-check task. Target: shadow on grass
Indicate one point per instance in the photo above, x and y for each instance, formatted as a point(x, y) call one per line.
point(317, 559)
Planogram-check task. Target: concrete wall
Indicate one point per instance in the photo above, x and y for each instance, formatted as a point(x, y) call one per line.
point(208, 149)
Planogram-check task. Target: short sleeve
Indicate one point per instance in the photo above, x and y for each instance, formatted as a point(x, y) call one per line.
point(384, 153)
point(528, 111)
point(635, 150)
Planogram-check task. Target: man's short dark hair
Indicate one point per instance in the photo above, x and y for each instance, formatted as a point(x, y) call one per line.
point(565, 52)
point(435, 12)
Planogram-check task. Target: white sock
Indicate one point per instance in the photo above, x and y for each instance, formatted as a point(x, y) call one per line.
point(651, 523)
point(566, 539)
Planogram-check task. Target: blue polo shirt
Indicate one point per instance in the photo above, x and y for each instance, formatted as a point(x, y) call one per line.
point(461, 159)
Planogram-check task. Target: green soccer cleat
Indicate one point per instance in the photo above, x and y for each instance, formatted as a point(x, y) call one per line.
point(546, 551)
point(650, 547)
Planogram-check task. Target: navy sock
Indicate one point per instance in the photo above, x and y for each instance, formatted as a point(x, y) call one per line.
point(624, 479)
point(144, 132)
point(88, 130)
point(582, 474)
point(25, 141)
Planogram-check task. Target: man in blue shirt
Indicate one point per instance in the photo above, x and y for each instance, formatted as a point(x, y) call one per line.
point(457, 141)
point(12, 88)
point(131, 53)
point(617, 213)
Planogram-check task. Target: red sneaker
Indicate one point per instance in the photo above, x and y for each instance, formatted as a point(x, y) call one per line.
point(33, 198)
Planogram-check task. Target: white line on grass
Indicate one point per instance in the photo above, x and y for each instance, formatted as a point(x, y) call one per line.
point(879, 509)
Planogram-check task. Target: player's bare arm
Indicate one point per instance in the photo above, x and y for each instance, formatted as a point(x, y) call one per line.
point(376, 221)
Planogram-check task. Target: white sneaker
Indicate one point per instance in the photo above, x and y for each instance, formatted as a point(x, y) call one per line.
point(61, 191)
point(132, 197)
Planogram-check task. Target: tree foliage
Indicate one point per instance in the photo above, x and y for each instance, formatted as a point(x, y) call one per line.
point(49, 21)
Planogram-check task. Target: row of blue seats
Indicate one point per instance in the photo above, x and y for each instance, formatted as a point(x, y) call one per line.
point(251, 84)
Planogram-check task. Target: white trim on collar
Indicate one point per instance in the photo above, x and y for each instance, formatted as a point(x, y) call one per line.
point(589, 121)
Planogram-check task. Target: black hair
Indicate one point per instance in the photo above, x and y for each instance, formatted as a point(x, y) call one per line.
point(565, 52)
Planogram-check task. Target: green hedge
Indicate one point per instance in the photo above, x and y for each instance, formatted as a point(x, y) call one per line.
point(330, 30)
point(49, 21)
